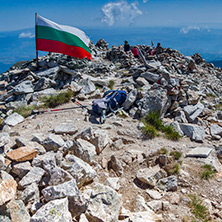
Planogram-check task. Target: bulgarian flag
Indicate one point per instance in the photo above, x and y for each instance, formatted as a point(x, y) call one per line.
point(52, 37)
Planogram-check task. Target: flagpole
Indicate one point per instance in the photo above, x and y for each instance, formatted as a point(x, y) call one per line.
point(37, 54)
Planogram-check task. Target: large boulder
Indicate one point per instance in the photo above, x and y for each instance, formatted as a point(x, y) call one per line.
point(154, 100)
point(104, 204)
point(23, 88)
point(194, 132)
point(69, 189)
point(56, 210)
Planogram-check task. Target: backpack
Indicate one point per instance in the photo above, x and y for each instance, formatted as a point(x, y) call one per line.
point(112, 100)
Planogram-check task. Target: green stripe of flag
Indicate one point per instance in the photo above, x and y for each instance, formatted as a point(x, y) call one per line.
point(44, 32)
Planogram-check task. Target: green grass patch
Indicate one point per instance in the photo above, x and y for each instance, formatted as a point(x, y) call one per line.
point(153, 119)
point(175, 169)
point(163, 151)
point(111, 84)
point(211, 95)
point(56, 100)
point(25, 111)
point(177, 155)
point(198, 209)
point(208, 172)
point(149, 131)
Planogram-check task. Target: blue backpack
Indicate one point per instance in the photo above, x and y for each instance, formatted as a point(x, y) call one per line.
point(112, 100)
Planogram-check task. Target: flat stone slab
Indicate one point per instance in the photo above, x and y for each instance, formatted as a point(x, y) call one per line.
point(22, 154)
point(202, 152)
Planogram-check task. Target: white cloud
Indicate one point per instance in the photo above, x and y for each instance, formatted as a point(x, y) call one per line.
point(187, 29)
point(114, 12)
point(26, 35)
point(144, 1)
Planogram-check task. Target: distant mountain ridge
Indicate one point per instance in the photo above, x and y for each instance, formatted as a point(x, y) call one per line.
point(20, 45)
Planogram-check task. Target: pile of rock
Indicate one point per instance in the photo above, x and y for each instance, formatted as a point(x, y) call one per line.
point(186, 90)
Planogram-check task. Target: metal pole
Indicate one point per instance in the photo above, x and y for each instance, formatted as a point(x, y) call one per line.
point(37, 54)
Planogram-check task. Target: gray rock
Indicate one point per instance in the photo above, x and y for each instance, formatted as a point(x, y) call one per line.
point(202, 152)
point(104, 204)
point(149, 76)
point(195, 132)
point(24, 88)
point(38, 137)
point(84, 150)
point(4, 218)
point(155, 205)
point(13, 119)
point(33, 176)
point(31, 193)
point(4, 139)
point(142, 81)
point(18, 211)
point(193, 111)
point(2, 162)
point(85, 134)
point(81, 171)
point(215, 130)
point(21, 169)
point(100, 140)
point(154, 100)
point(56, 210)
point(113, 182)
point(148, 175)
point(69, 189)
point(58, 176)
point(44, 83)
point(48, 72)
point(168, 184)
point(87, 86)
point(46, 161)
point(140, 204)
point(154, 194)
point(66, 128)
point(116, 166)
point(46, 92)
point(131, 98)
point(53, 142)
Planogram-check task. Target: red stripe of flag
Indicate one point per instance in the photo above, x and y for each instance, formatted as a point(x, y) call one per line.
point(60, 47)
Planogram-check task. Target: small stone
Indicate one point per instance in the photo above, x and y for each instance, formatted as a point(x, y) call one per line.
point(154, 194)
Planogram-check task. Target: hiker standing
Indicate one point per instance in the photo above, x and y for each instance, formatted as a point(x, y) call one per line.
point(126, 47)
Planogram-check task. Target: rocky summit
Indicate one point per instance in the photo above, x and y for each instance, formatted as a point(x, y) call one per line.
point(64, 166)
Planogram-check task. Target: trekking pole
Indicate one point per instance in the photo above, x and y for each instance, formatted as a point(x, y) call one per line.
point(61, 109)
point(52, 110)
point(79, 104)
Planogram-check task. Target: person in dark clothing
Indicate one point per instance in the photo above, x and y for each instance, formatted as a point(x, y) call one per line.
point(126, 47)
point(158, 49)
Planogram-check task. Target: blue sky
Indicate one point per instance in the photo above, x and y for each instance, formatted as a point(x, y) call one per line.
point(190, 14)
